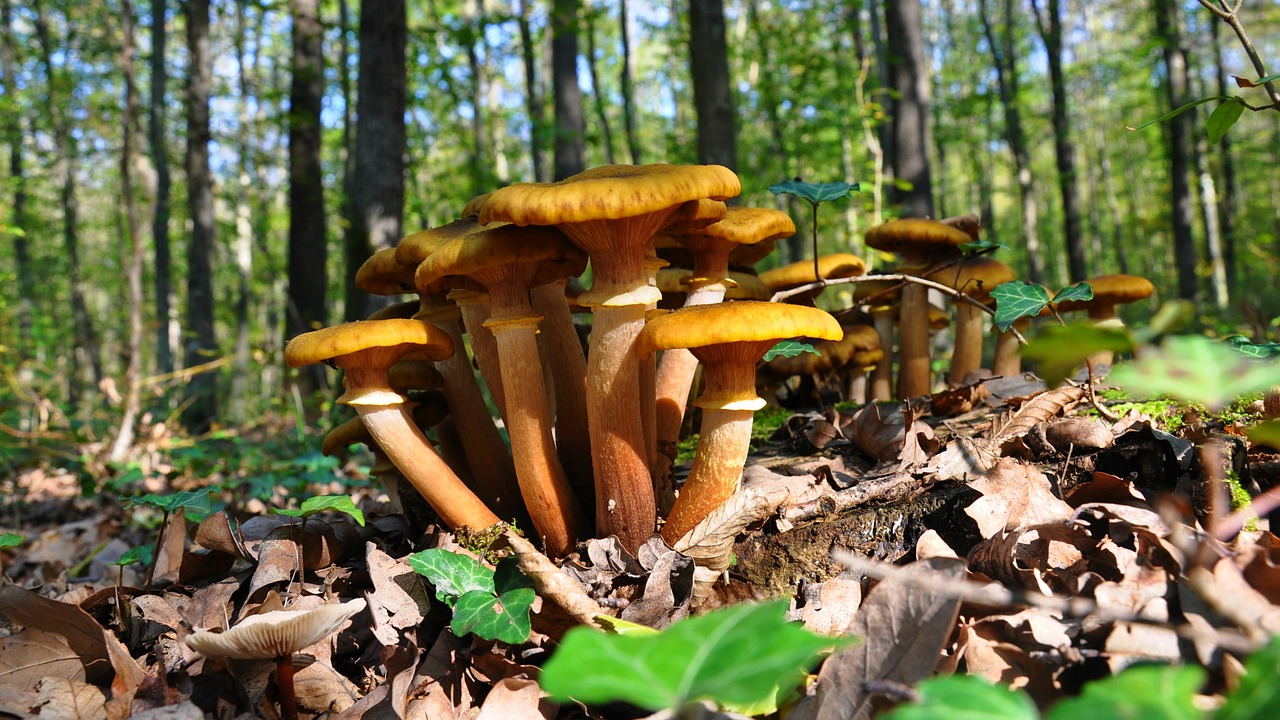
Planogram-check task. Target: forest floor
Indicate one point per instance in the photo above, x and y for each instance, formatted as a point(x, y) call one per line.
point(1000, 530)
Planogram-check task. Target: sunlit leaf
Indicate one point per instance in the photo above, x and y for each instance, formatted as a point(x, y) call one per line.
point(134, 555)
point(814, 192)
point(965, 696)
point(1253, 349)
point(1266, 433)
point(1016, 300)
point(501, 614)
point(1258, 694)
point(8, 540)
point(313, 505)
point(452, 574)
point(1196, 369)
point(1060, 350)
point(788, 348)
point(1079, 292)
point(1178, 111)
point(978, 246)
point(1222, 118)
point(1150, 692)
point(192, 502)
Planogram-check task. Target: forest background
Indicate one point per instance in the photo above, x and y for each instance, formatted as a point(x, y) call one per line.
point(186, 185)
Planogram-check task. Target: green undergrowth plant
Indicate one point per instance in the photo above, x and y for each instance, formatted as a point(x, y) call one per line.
point(815, 194)
point(492, 604)
point(194, 505)
point(320, 503)
point(1150, 692)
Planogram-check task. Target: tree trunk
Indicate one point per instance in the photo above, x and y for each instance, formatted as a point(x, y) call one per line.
point(909, 77)
point(131, 252)
point(533, 96)
point(157, 132)
point(624, 81)
point(713, 98)
point(1050, 28)
point(597, 91)
point(1004, 55)
point(474, 32)
point(200, 343)
point(244, 229)
point(378, 184)
point(355, 248)
point(1114, 213)
point(17, 177)
point(565, 87)
point(308, 249)
point(1178, 134)
point(1230, 189)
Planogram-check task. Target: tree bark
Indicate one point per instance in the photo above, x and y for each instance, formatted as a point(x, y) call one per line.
point(17, 177)
point(624, 80)
point(244, 228)
point(1178, 136)
point(157, 132)
point(473, 32)
point(533, 95)
point(355, 249)
point(565, 88)
point(909, 76)
point(1004, 55)
point(308, 249)
point(713, 97)
point(1050, 26)
point(1230, 188)
point(597, 92)
point(199, 342)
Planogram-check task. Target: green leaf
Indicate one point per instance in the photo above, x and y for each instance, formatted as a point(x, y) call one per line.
point(814, 192)
point(1196, 369)
point(739, 655)
point(499, 615)
point(132, 556)
point(1222, 118)
point(965, 697)
point(788, 348)
point(1267, 433)
point(1016, 300)
point(192, 502)
point(452, 574)
point(1172, 315)
point(8, 540)
point(1178, 111)
point(1258, 695)
point(1150, 692)
point(1079, 292)
point(1258, 350)
point(313, 505)
point(977, 246)
point(1060, 350)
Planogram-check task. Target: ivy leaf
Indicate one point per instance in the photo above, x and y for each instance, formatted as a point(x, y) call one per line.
point(192, 502)
point(1151, 692)
point(132, 556)
point(452, 574)
point(965, 696)
point(814, 192)
point(1016, 300)
point(977, 246)
point(1196, 369)
point(1266, 433)
point(1222, 118)
point(738, 655)
point(1258, 695)
point(1059, 350)
point(501, 614)
point(313, 505)
point(788, 348)
point(8, 540)
point(1258, 350)
point(1079, 292)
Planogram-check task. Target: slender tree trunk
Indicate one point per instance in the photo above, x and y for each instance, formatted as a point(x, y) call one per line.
point(885, 129)
point(1178, 134)
point(1005, 56)
point(793, 248)
point(1114, 213)
point(713, 98)
point(533, 95)
point(624, 81)
point(909, 77)
point(244, 228)
point(597, 91)
point(565, 87)
point(17, 219)
point(163, 281)
point(87, 350)
point(200, 342)
point(1230, 188)
point(380, 129)
point(481, 156)
point(1050, 28)
point(308, 248)
point(355, 249)
point(870, 133)
point(1209, 221)
point(132, 253)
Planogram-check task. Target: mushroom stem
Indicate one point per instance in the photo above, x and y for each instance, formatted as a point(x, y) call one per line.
point(569, 368)
point(284, 684)
point(967, 355)
point(624, 493)
point(882, 375)
point(475, 310)
point(914, 371)
point(1008, 358)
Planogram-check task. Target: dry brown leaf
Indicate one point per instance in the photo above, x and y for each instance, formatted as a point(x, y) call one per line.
point(83, 634)
point(965, 458)
point(172, 547)
point(1103, 488)
point(322, 689)
point(64, 699)
point(931, 545)
point(397, 601)
point(880, 432)
point(516, 699)
point(215, 533)
point(1014, 494)
point(830, 605)
point(903, 628)
point(31, 654)
point(987, 653)
point(551, 582)
point(1130, 643)
point(1078, 434)
point(711, 541)
point(1042, 407)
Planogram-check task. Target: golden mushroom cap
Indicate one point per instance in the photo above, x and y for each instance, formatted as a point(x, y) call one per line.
point(428, 342)
point(503, 244)
point(343, 435)
point(742, 321)
point(747, 226)
point(474, 204)
point(381, 274)
point(1112, 290)
point(609, 192)
point(414, 248)
point(275, 634)
point(414, 374)
point(403, 310)
point(830, 267)
point(975, 276)
point(915, 237)
point(694, 215)
point(749, 255)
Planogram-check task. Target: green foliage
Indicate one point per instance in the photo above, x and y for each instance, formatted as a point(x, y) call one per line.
point(1196, 369)
point(815, 193)
point(965, 697)
point(313, 505)
point(1018, 299)
point(1258, 694)
point(1151, 692)
point(1059, 349)
point(135, 555)
point(1267, 433)
point(788, 348)
point(977, 246)
point(493, 604)
point(736, 656)
point(8, 540)
point(1255, 350)
point(196, 504)
point(1222, 118)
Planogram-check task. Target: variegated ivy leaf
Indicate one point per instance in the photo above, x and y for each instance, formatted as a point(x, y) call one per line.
point(1016, 300)
point(1079, 292)
point(788, 348)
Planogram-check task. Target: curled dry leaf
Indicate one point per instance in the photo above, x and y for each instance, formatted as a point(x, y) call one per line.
point(1014, 494)
point(1039, 409)
point(1082, 434)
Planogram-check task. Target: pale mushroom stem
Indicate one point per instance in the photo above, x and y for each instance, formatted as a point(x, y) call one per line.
point(475, 310)
point(724, 439)
point(914, 371)
point(1008, 358)
point(882, 375)
point(556, 515)
point(569, 368)
point(624, 493)
point(285, 686)
point(967, 355)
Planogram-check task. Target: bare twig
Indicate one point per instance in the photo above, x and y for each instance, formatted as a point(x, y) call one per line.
point(1232, 18)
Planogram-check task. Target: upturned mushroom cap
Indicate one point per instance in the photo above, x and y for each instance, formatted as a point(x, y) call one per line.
point(916, 238)
point(475, 203)
point(424, 341)
point(700, 326)
point(1111, 290)
point(414, 248)
point(276, 634)
point(831, 267)
point(381, 274)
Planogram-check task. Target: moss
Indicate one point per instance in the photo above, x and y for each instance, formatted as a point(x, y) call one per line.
point(765, 423)
point(1239, 498)
point(483, 542)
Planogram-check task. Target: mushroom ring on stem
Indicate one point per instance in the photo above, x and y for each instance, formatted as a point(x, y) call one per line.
point(729, 339)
